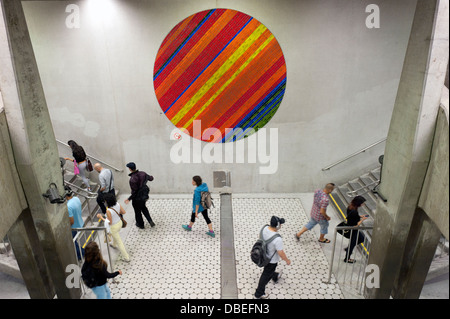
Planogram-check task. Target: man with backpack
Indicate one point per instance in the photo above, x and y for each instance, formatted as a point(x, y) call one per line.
point(139, 194)
point(267, 252)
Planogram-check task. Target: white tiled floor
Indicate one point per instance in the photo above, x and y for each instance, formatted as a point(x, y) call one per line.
point(309, 267)
point(169, 262)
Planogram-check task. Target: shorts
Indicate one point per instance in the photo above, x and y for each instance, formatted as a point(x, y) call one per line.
point(322, 223)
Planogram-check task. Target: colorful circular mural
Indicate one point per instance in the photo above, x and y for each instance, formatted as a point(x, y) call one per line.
point(220, 69)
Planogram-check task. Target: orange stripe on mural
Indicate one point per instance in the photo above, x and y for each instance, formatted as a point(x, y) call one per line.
point(222, 67)
point(281, 72)
point(197, 50)
point(173, 35)
point(184, 33)
point(229, 97)
point(242, 59)
point(209, 72)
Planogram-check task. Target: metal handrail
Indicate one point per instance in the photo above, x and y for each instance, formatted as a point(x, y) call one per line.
point(354, 154)
point(90, 195)
point(92, 230)
point(351, 193)
point(90, 156)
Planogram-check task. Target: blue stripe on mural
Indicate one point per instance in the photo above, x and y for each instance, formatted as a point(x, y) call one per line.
point(276, 91)
point(183, 44)
point(208, 65)
point(267, 109)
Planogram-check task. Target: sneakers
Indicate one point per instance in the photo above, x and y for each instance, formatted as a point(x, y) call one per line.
point(279, 276)
point(265, 296)
point(209, 233)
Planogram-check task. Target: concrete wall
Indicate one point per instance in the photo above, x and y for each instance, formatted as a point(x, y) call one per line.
point(434, 197)
point(342, 80)
point(11, 194)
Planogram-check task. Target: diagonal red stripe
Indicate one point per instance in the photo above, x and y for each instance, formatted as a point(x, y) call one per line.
point(197, 66)
point(179, 39)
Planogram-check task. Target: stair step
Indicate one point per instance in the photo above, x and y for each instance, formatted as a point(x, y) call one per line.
point(362, 185)
point(339, 205)
point(376, 174)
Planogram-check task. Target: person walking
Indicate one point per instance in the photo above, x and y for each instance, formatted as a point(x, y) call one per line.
point(275, 250)
point(137, 180)
point(94, 272)
point(319, 213)
point(197, 206)
point(112, 214)
point(106, 179)
point(354, 219)
point(79, 156)
point(75, 218)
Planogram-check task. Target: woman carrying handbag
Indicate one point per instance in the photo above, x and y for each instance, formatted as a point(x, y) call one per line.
point(113, 211)
point(353, 219)
point(82, 162)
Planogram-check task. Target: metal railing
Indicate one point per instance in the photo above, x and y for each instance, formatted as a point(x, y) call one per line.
point(94, 158)
point(365, 188)
point(354, 154)
point(83, 237)
point(90, 195)
point(76, 189)
point(350, 276)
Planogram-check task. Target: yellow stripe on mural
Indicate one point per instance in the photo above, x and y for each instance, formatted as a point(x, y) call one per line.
point(242, 67)
point(218, 74)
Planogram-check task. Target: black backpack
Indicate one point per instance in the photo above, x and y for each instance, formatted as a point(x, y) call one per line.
point(259, 250)
point(143, 191)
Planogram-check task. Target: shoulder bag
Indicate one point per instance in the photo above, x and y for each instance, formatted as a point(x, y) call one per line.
point(124, 223)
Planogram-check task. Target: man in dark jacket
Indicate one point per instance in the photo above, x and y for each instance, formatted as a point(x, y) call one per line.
point(138, 179)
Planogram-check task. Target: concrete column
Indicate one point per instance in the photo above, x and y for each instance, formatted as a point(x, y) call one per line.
point(419, 252)
point(35, 151)
point(30, 257)
point(409, 142)
point(11, 193)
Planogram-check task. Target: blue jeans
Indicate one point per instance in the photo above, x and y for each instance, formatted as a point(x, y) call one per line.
point(322, 223)
point(102, 292)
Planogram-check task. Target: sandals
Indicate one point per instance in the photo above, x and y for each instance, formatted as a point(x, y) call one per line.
point(325, 241)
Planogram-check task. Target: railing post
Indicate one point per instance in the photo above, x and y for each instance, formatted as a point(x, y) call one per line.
point(354, 231)
point(332, 258)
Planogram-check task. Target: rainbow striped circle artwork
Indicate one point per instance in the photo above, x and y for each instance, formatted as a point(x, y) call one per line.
point(220, 68)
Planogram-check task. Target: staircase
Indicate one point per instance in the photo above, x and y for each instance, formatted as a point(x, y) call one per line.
point(362, 185)
point(88, 200)
point(90, 209)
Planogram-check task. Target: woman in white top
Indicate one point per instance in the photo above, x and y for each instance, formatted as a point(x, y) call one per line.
point(113, 209)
